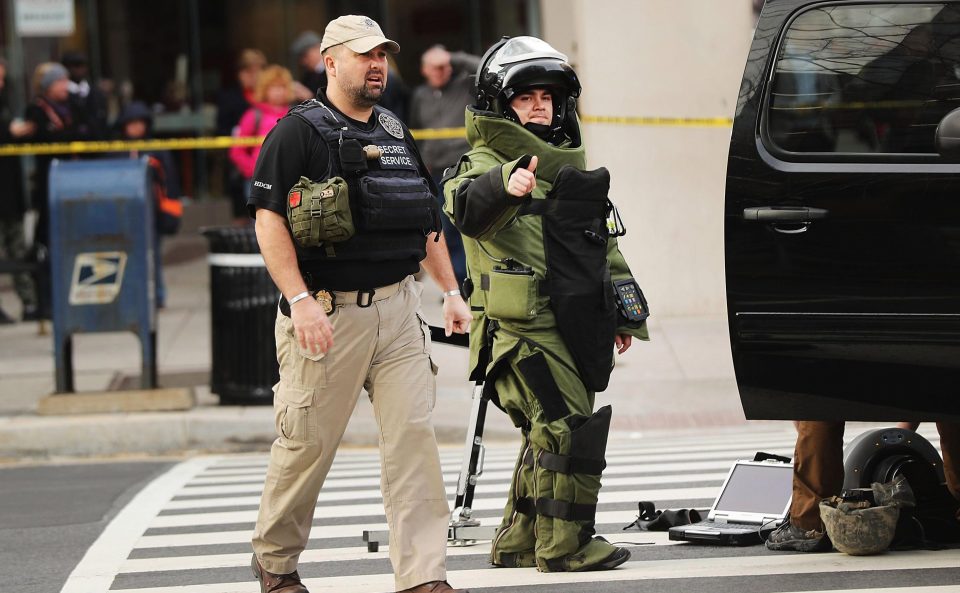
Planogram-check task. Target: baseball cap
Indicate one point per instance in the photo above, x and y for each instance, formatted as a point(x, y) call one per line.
point(359, 33)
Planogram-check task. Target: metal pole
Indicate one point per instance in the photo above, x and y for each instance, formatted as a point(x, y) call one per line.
point(196, 91)
point(476, 38)
point(16, 79)
point(93, 31)
point(534, 21)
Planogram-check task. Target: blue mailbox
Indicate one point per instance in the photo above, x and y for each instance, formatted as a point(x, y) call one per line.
point(101, 252)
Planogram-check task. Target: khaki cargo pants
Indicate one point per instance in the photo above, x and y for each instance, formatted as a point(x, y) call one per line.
point(385, 349)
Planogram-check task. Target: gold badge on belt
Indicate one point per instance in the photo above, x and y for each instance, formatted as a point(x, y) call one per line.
point(326, 300)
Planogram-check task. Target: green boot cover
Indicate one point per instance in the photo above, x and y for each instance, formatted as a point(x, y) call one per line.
point(567, 478)
point(592, 556)
point(513, 545)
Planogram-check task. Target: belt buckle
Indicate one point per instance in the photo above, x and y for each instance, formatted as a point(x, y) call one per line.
point(369, 300)
point(326, 299)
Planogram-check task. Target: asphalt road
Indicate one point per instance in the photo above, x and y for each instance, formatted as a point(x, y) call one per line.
point(50, 514)
point(185, 527)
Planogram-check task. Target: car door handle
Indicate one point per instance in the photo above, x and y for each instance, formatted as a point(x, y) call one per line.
point(789, 214)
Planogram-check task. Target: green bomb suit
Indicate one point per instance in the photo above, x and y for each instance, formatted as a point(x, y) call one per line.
point(545, 347)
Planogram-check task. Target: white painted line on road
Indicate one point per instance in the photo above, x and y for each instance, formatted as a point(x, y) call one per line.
point(498, 452)
point(328, 531)
point(211, 561)
point(637, 468)
point(491, 472)
point(490, 489)
point(103, 559)
point(692, 568)
point(364, 510)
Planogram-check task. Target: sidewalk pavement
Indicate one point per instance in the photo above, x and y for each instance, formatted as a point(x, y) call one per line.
point(681, 380)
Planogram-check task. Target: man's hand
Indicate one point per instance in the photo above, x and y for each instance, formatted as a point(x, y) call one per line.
point(622, 342)
point(311, 326)
point(456, 315)
point(523, 181)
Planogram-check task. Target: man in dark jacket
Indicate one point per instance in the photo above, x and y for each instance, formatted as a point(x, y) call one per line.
point(12, 244)
point(89, 103)
point(439, 103)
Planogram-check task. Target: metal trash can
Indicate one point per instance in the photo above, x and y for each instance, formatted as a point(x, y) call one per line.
point(243, 309)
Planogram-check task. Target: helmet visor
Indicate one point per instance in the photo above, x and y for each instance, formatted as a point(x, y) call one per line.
point(522, 49)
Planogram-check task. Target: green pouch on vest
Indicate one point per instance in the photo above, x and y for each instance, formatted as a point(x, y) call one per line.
point(512, 294)
point(319, 211)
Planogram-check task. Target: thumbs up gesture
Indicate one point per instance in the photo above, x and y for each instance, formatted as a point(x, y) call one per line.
point(523, 180)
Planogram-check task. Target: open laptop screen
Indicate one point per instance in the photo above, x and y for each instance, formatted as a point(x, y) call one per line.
point(757, 488)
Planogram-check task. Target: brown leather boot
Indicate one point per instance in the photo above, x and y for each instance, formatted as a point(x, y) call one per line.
point(276, 583)
point(435, 587)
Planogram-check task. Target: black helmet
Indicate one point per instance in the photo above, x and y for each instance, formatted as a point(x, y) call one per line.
point(516, 64)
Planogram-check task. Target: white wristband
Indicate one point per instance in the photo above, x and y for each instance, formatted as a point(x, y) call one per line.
point(450, 293)
point(298, 298)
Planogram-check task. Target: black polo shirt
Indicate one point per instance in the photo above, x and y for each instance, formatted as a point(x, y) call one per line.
point(292, 149)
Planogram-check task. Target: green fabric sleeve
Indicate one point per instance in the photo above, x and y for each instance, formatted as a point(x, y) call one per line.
point(476, 199)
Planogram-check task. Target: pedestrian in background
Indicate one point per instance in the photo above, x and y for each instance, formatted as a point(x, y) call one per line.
point(306, 50)
point(88, 101)
point(135, 122)
point(232, 103)
point(271, 101)
point(13, 205)
point(439, 103)
point(53, 120)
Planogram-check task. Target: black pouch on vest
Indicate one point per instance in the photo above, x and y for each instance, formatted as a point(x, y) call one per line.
point(352, 158)
point(398, 204)
point(581, 294)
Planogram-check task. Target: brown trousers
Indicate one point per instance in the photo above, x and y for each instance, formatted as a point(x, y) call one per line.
point(385, 349)
point(818, 467)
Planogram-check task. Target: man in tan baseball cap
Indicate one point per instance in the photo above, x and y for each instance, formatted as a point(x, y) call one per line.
point(387, 352)
point(359, 33)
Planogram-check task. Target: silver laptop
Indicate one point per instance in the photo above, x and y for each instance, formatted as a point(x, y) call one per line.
point(753, 501)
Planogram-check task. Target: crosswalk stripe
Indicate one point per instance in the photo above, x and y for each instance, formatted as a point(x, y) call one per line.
point(496, 489)
point(623, 517)
point(449, 477)
point(365, 510)
point(746, 566)
point(501, 452)
point(650, 466)
point(353, 553)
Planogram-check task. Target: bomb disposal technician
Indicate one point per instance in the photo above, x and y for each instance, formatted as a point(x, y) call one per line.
point(345, 211)
point(544, 275)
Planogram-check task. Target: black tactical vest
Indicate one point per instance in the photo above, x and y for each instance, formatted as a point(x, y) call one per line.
point(391, 201)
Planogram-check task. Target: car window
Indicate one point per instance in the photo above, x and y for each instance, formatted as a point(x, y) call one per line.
point(864, 79)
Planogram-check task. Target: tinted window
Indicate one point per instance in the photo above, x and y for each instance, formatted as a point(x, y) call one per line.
point(865, 78)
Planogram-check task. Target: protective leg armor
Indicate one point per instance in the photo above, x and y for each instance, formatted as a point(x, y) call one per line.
point(549, 519)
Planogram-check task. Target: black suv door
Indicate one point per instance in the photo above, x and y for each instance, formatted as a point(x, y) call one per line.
point(842, 221)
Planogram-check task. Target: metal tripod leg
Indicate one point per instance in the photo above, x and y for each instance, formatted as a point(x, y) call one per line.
point(463, 530)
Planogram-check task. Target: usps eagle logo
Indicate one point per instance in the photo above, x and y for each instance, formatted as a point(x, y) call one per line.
point(391, 125)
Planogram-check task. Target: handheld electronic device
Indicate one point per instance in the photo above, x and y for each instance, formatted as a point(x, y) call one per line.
point(630, 300)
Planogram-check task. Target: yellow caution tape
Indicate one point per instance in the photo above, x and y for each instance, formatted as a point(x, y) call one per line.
point(216, 142)
point(439, 133)
point(683, 122)
point(223, 142)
